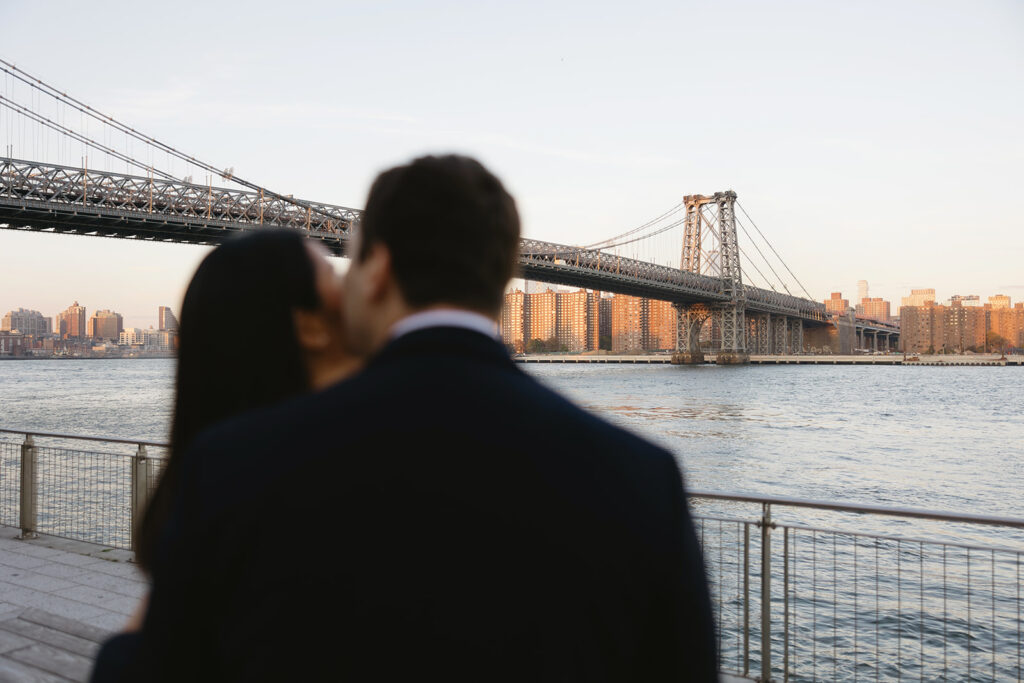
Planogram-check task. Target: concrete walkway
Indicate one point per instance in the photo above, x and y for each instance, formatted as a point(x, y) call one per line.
point(58, 600)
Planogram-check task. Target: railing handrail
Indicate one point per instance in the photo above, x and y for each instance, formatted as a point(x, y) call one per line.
point(79, 437)
point(784, 501)
point(915, 513)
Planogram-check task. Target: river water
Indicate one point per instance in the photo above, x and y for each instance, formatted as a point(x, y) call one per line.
point(934, 437)
point(942, 438)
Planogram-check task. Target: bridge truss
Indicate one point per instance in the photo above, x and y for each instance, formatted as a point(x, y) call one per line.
point(50, 198)
point(155, 204)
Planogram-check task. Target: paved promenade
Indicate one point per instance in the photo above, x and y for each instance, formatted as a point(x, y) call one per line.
point(58, 600)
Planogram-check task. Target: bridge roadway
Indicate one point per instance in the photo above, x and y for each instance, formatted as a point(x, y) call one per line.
point(62, 199)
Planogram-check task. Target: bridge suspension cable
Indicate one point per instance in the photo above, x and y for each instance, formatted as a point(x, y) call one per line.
point(660, 230)
point(107, 120)
point(768, 242)
point(761, 254)
point(747, 278)
point(75, 135)
point(604, 244)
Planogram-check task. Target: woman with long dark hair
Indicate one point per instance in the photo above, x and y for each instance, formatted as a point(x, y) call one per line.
point(260, 323)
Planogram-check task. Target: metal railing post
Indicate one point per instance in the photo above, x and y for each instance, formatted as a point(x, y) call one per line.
point(29, 490)
point(746, 598)
point(140, 489)
point(785, 600)
point(766, 593)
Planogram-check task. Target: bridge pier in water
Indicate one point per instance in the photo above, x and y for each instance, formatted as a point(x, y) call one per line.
point(734, 335)
point(689, 320)
point(774, 335)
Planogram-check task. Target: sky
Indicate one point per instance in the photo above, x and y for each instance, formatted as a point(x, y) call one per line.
point(870, 140)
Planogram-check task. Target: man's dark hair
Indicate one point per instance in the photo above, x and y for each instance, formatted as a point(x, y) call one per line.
point(451, 228)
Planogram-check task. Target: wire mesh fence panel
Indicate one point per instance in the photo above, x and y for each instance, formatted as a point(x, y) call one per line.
point(851, 605)
point(10, 481)
point(85, 495)
point(156, 471)
point(870, 607)
point(726, 544)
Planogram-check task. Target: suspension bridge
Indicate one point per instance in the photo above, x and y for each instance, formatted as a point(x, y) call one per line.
point(750, 297)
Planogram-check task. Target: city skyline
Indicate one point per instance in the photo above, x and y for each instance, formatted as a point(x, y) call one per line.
point(853, 172)
point(911, 298)
point(76, 321)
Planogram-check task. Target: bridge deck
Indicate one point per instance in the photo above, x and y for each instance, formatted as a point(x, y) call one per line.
point(46, 197)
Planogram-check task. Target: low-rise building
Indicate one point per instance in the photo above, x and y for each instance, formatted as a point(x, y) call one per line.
point(12, 344)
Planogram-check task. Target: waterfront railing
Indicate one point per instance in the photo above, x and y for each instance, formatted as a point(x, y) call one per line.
point(86, 488)
point(803, 590)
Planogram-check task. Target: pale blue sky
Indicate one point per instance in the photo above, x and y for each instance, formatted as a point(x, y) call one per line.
point(869, 140)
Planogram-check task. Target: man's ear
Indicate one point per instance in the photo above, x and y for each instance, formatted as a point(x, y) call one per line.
point(312, 330)
point(378, 274)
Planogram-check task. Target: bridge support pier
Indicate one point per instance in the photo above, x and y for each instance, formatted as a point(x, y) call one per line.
point(689, 320)
point(762, 325)
point(796, 335)
point(734, 348)
point(779, 325)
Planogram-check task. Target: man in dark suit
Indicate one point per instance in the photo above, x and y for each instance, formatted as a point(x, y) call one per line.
point(440, 515)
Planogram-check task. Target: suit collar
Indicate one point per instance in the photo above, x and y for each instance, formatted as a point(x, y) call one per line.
point(445, 317)
point(445, 341)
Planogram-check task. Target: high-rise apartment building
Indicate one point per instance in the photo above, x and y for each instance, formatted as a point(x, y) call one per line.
point(105, 325)
point(862, 290)
point(167, 320)
point(661, 326)
point(541, 319)
point(513, 320)
point(27, 322)
point(571, 320)
point(963, 327)
point(935, 327)
point(71, 323)
point(837, 304)
point(593, 321)
point(577, 321)
point(999, 301)
point(640, 324)
point(965, 300)
point(918, 297)
point(917, 325)
point(874, 309)
point(604, 330)
point(1007, 322)
point(628, 323)
point(561, 320)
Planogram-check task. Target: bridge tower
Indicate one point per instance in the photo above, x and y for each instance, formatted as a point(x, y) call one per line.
point(710, 247)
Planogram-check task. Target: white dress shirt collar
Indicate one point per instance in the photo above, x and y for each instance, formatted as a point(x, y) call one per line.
point(445, 317)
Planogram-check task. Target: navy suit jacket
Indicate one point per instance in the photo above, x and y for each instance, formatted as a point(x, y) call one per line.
point(441, 514)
